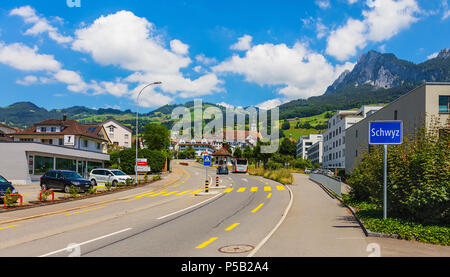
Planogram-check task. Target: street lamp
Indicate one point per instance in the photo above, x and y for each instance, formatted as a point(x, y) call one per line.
point(137, 126)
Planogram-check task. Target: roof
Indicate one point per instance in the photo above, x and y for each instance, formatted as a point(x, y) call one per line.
point(9, 127)
point(196, 144)
point(72, 127)
point(117, 122)
point(222, 152)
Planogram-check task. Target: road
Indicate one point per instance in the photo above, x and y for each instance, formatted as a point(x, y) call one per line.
point(162, 221)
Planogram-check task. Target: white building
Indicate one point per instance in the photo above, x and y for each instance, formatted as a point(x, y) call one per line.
point(305, 142)
point(118, 133)
point(315, 152)
point(334, 137)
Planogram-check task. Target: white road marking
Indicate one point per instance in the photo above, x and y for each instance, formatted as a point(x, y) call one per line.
point(162, 217)
point(86, 242)
point(245, 180)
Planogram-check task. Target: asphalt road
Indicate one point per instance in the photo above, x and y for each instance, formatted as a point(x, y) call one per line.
point(171, 221)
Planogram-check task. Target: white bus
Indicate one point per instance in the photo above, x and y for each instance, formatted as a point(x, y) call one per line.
point(240, 165)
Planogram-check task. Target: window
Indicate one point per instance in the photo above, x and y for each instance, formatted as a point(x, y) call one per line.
point(61, 141)
point(126, 136)
point(53, 129)
point(42, 164)
point(111, 129)
point(43, 129)
point(444, 104)
point(86, 143)
point(98, 145)
point(65, 164)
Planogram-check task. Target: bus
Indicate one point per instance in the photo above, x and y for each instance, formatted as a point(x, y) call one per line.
point(240, 165)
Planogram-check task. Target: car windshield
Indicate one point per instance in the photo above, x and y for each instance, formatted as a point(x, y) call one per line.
point(70, 175)
point(242, 162)
point(3, 180)
point(118, 172)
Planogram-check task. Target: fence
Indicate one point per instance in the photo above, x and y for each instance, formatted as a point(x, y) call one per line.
point(333, 184)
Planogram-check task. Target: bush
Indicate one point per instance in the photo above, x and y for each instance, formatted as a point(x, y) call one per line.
point(156, 177)
point(418, 177)
point(92, 190)
point(108, 186)
point(44, 196)
point(271, 165)
point(156, 159)
point(73, 191)
point(10, 200)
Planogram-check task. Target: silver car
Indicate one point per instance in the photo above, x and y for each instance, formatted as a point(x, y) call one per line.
point(103, 175)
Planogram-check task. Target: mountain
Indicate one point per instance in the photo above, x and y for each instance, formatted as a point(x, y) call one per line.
point(376, 78)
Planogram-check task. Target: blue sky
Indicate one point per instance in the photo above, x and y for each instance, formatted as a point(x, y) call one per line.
point(237, 53)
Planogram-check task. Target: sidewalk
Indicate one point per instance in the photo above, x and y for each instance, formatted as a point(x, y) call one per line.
point(319, 226)
point(316, 226)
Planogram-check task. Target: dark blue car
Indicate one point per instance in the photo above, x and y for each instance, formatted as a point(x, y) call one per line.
point(4, 185)
point(63, 180)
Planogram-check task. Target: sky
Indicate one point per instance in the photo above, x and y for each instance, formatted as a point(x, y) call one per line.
point(233, 53)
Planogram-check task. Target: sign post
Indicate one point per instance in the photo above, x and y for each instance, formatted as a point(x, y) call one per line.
point(206, 163)
point(385, 133)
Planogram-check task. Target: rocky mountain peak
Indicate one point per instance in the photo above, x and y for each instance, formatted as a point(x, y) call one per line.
point(444, 53)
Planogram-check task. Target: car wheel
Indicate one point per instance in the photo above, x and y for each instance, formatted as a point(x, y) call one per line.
point(93, 182)
point(114, 183)
point(66, 189)
point(43, 187)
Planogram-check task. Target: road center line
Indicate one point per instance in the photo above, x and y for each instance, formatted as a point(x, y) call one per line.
point(3, 228)
point(93, 209)
point(257, 208)
point(232, 227)
point(86, 242)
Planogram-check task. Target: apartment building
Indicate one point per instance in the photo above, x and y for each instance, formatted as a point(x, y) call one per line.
point(415, 108)
point(334, 139)
point(118, 133)
point(315, 152)
point(305, 142)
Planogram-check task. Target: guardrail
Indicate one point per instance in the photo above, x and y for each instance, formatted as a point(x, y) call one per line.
point(334, 184)
point(12, 194)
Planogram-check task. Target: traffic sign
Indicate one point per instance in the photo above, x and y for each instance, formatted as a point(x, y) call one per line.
point(207, 160)
point(386, 132)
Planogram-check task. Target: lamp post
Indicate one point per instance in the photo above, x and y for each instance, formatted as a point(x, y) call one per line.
point(137, 126)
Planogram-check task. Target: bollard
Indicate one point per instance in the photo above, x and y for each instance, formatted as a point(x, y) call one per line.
point(206, 186)
point(217, 181)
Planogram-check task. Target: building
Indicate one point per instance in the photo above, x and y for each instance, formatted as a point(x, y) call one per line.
point(334, 137)
point(6, 131)
point(222, 156)
point(118, 133)
point(199, 148)
point(315, 152)
point(305, 142)
point(53, 144)
point(415, 108)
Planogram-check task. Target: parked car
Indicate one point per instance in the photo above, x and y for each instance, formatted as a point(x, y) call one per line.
point(222, 169)
point(307, 170)
point(4, 185)
point(103, 175)
point(63, 180)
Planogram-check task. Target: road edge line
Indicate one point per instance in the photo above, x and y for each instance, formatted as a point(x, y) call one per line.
point(286, 211)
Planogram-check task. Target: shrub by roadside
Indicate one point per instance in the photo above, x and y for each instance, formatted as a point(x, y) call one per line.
point(281, 175)
point(372, 216)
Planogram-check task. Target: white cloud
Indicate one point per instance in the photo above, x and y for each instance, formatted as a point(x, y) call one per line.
point(321, 29)
point(28, 80)
point(132, 43)
point(302, 72)
point(270, 104)
point(446, 11)
point(225, 105)
point(40, 24)
point(323, 4)
point(179, 47)
point(244, 43)
point(24, 58)
point(351, 2)
point(432, 56)
point(383, 20)
point(205, 60)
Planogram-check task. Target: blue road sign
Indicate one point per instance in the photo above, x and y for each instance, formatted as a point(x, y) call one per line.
point(385, 132)
point(207, 160)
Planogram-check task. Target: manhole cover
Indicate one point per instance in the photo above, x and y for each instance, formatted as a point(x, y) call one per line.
point(241, 248)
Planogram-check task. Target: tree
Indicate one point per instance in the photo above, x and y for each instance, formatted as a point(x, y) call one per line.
point(237, 152)
point(286, 125)
point(156, 136)
point(288, 147)
point(247, 152)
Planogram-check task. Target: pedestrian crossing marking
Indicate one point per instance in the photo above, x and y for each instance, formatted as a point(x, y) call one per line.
point(228, 190)
point(267, 189)
point(241, 189)
point(254, 189)
point(280, 188)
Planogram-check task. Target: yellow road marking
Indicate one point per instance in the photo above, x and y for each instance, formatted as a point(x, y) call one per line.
point(241, 189)
point(181, 193)
point(254, 189)
point(280, 188)
point(228, 190)
point(86, 210)
point(206, 243)
point(232, 227)
point(269, 195)
point(170, 193)
point(3, 228)
point(156, 194)
point(257, 208)
point(267, 189)
point(175, 186)
point(267, 183)
point(196, 191)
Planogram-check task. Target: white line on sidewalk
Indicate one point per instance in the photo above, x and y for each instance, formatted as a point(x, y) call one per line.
point(86, 242)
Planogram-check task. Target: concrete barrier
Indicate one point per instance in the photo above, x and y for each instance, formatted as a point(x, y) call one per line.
point(331, 183)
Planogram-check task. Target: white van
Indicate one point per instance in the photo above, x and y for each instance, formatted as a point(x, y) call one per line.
point(103, 175)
